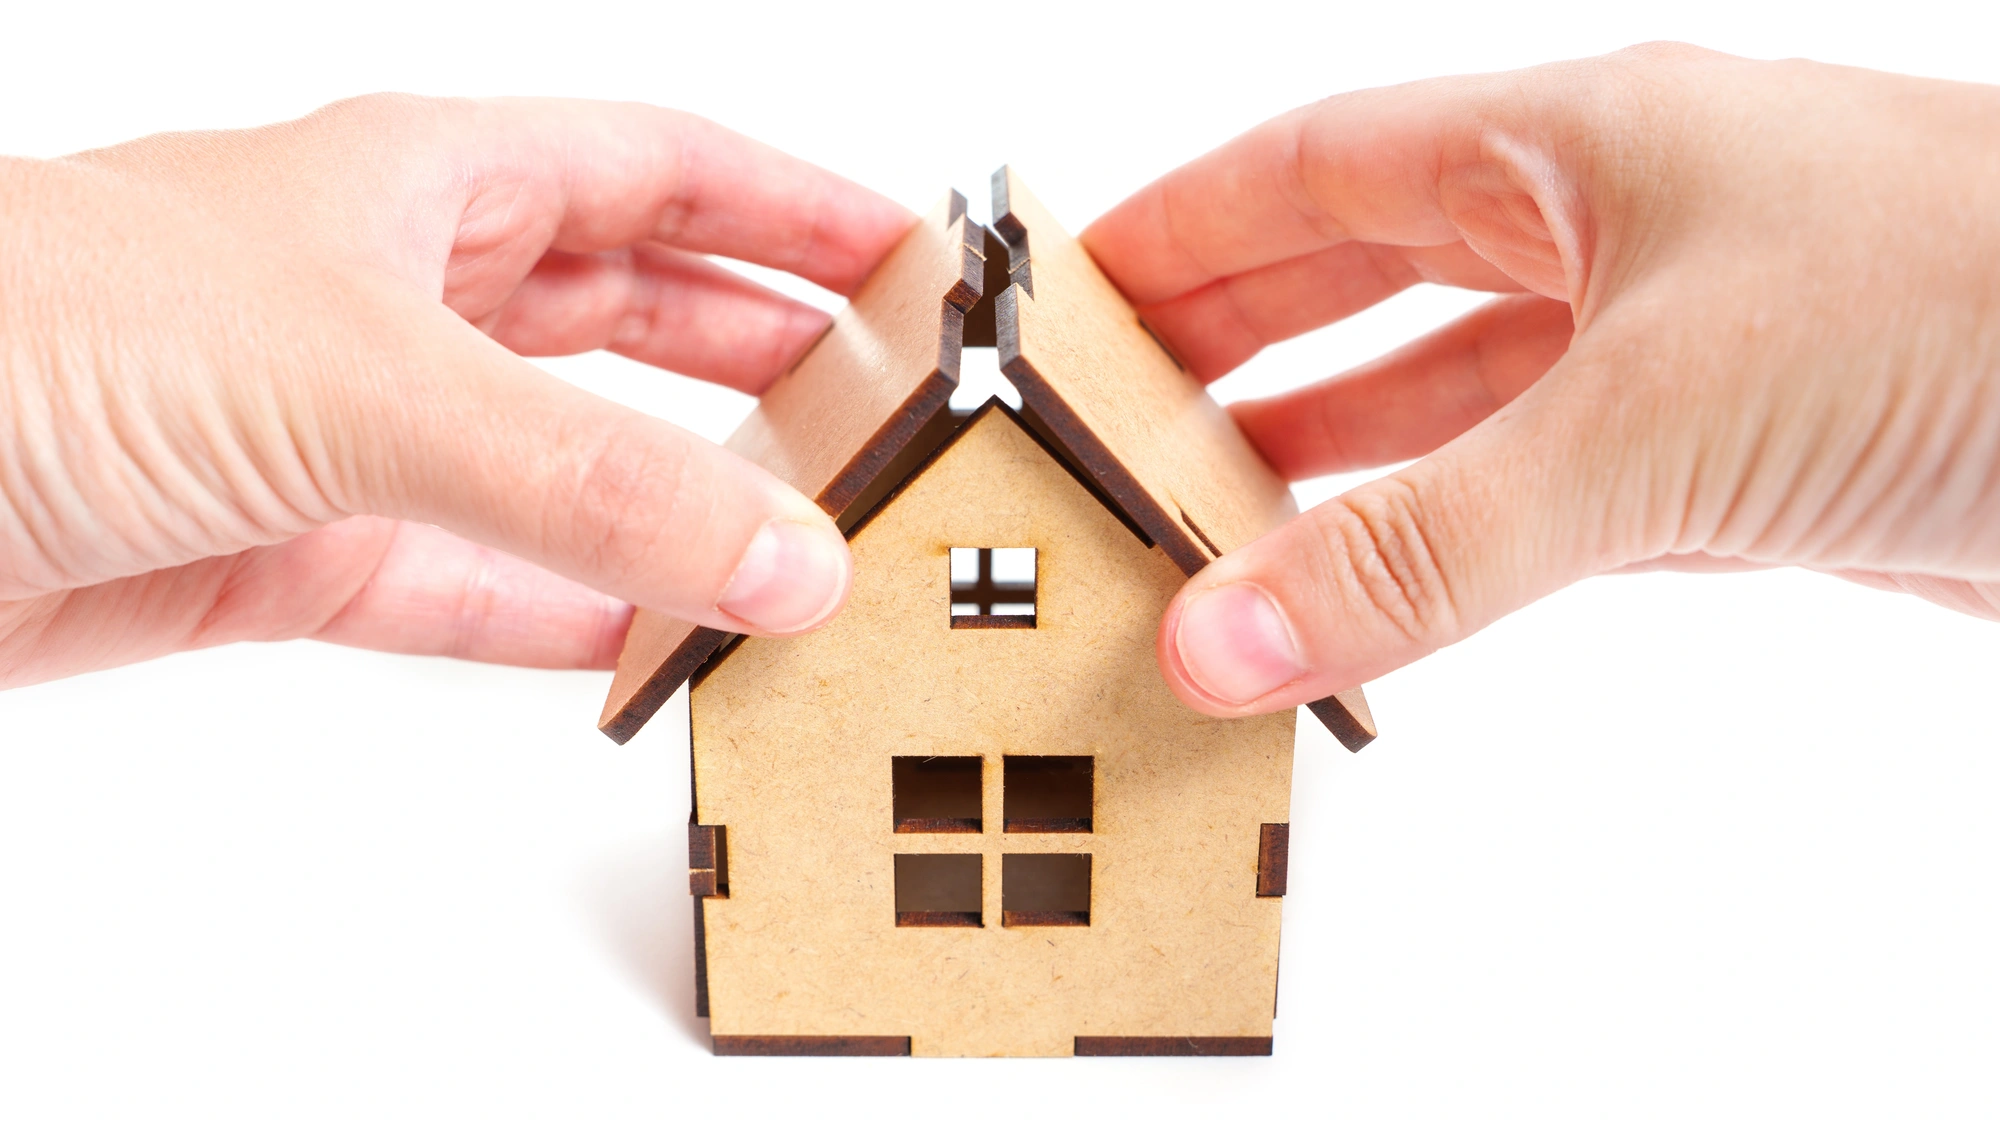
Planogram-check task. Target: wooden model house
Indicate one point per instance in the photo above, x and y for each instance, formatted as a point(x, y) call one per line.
point(968, 817)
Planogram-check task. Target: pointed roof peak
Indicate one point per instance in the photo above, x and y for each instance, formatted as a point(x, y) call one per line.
point(867, 407)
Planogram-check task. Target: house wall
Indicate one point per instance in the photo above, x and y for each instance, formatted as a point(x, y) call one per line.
point(793, 741)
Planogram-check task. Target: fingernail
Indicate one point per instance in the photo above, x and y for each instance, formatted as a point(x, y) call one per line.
point(792, 577)
point(1235, 644)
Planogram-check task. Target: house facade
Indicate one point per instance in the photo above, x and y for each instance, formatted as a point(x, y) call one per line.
point(967, 817)
point(852, 915)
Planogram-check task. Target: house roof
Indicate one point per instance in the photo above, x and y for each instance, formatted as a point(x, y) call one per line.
point(867, 404)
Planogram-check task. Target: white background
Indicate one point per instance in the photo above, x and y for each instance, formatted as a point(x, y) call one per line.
point(1657, 848)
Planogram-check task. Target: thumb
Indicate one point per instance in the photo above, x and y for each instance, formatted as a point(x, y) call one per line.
point(1514, 509)
point(468, 436)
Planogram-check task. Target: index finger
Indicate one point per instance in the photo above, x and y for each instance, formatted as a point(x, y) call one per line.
point(516, 177)
point(1431, 163)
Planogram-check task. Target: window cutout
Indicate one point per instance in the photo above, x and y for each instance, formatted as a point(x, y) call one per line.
point(993, 587)
point(937, 890)
point(1044, 890)
point(1046, 794)
point(936, 794)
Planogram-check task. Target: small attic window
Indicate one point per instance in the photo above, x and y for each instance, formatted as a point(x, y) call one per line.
point(993, 587)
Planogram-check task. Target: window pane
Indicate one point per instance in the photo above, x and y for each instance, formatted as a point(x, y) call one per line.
point(1045, 890)
point(1046, 794)
point(1014, 566)
point(935, 794)
point(937, 890)
point(964, 566)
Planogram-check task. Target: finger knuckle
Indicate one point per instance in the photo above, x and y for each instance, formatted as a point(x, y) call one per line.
point(1379, 554)
point(626, 502)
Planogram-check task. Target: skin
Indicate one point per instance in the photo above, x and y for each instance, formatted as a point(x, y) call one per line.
point(1751, 318)
point(267, 384)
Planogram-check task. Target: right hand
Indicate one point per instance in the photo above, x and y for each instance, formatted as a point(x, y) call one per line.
point(1755, 321)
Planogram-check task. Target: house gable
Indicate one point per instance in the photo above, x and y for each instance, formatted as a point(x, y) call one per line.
point(848, 422)
point(793, 743)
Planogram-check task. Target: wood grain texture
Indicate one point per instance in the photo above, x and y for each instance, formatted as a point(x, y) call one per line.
point(1112, 1045)
point(834, 423)
point(820, 1045)
point(1274, 852)
point(1144, 429)
point(794, 741)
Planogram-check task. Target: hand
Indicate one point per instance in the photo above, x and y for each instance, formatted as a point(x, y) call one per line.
point(243, 374)
point(1784, 281)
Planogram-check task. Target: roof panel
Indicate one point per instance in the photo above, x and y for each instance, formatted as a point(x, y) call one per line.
point(1145, 430)
point(830, 425)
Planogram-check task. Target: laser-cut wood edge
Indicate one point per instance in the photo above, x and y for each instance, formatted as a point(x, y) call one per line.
point(940, 825)
point(1345, 713)
point(1018, 918)
point(1185, 1045)
point(708, 859)
point(700, 961)
point(970, 918)
point(1274, 843)
point(1047, 825)
point(811, 1045)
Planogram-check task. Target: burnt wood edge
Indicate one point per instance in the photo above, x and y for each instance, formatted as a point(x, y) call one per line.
point(705, 649)
point(700, 961)
point(1046, 824)
point(940, 824)
point(659, 687)
point(1020, 267)
point(979, 328)
point(1342, 722)
point(969, 918)
point(1109, 479)
point(1185, 1045)
point(1042, 434)
point(846, 498)
point(992, 620)
point(959, 428)
point(708, 860)
point(857, 486)
point(708, 666)
point(1061, 429)
point(1045, 917)
point(1199, 533)
point(812, 1045)
point(1274, 845)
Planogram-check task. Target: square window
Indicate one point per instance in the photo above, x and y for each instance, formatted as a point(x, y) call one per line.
point(993, 587)
point(937, 890)
point(936, 794)
point(1045, 890)
point(1046, 794)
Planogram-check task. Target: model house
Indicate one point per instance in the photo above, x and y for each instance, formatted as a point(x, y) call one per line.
point(968, 817)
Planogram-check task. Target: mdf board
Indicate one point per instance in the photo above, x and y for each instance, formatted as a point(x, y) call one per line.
point(1145, 429)
point(1087, 364)
point(794, 741)
point(883, 370)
